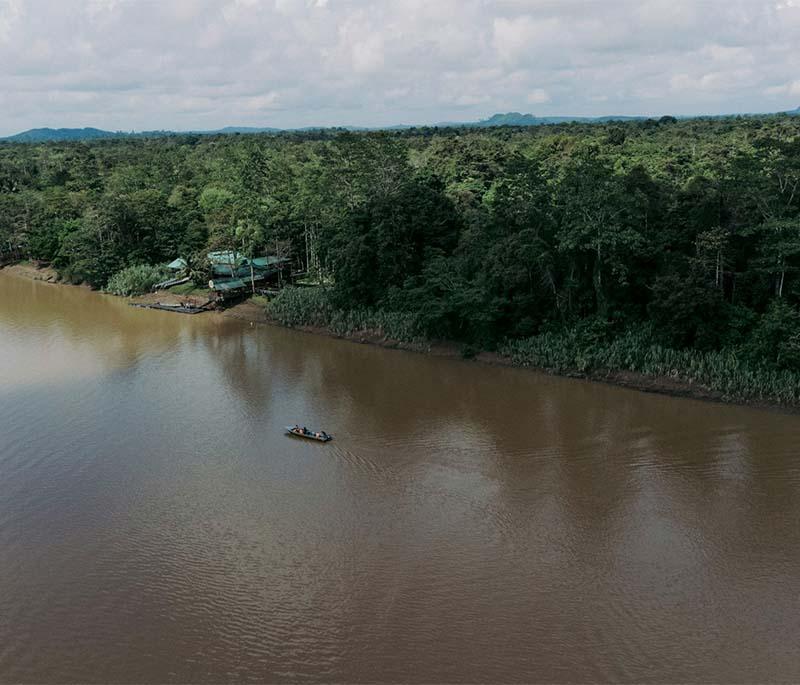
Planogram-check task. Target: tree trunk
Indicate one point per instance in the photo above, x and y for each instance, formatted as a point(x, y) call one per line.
point(569, 287)
point(779, 280)
point(308, 252)
point(597, 279)
point(556, 298)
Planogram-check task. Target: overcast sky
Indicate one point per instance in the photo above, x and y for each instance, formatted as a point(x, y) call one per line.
point(189, 64)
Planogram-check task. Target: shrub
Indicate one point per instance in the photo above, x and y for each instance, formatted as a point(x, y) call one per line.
point(588, 347)
point(312, 307)
point(727, 371)
point(776, 339)
point(135, 280)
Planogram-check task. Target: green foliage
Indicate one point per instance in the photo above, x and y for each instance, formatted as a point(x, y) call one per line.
point(567, 234)
point(301, 307)
point(188, 289)
point(775, 342)
point(86, 256)
point(136, 280)
point(314, 307)
point(724, 371)
point(686, 312)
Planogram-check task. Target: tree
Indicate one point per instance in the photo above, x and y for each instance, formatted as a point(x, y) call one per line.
point(778, 251)
point(596, 229)
point(776, 339)
point(250, 238)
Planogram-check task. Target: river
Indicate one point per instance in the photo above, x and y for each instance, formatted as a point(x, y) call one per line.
point(468, 523)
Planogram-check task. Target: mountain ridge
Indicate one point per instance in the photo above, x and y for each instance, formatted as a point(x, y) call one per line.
point(46, 134)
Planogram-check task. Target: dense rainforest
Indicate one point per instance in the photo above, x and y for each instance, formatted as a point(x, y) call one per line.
point(662, 244)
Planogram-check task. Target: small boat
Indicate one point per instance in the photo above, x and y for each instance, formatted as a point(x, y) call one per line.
point(319, 436)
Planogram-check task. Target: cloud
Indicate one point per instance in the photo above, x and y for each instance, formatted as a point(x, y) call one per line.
point(792, 88)
point(520, 38)
point(468, 99)
point(538, 96)
point(185, 64)
point(10, 10)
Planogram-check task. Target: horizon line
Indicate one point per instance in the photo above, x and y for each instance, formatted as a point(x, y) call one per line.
point(451, 123)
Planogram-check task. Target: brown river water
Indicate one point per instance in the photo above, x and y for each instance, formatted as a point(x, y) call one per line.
point(468, 523)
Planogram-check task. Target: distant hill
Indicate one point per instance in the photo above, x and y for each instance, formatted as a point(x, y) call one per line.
point(239, 129)
point(40, 135)
point(37, 135)
point(518, 119)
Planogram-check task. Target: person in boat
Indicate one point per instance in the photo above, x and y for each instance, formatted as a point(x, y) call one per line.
point(296, 429)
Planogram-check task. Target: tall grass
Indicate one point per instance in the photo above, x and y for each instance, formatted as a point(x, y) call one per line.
point(581, 349)
point(135, 280)
point(312, 307)
point(726, 371)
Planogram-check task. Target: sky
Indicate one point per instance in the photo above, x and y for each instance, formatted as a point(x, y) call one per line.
point(203, 64)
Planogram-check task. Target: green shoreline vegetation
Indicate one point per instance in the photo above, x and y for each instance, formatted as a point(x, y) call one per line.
point(591, 348)
point(135, 280)
point(664, 248)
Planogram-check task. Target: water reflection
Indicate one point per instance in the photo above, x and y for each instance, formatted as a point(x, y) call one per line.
point(468, 523)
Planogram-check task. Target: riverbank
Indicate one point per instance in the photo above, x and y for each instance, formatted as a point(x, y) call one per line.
point(33, 272)
point(144, 456)
point(590, 349)
point(47, 274)
point(660, 385)
point(254, 312)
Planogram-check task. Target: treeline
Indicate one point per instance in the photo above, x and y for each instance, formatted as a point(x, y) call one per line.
point(480, 236)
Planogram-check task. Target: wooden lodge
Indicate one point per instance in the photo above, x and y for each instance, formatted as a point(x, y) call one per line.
point(233, 275)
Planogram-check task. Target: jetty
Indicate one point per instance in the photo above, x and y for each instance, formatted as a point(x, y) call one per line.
point(181, 308)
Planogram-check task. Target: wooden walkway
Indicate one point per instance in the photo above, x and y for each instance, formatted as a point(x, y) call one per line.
point(179, 308)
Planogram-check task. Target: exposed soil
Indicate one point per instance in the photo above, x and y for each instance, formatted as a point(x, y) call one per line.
point(248, 311)
point(33, 271)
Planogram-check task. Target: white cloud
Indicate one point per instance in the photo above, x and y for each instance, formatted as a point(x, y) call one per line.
point(469, 99)
point(520, 37)
point(538, 96)
point(792, 88)
point(267, 101)
point(367, 54)
point(187, 64)
point(10, 11)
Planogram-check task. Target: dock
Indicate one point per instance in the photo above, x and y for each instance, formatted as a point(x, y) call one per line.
point(179, 308)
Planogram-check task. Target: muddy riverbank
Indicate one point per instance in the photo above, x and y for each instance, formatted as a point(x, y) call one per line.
point(256, 313)
point(468, 523)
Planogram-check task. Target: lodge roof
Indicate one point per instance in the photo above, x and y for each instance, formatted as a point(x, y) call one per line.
point(226, 286)
point(177, 264)
point(232, 264)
